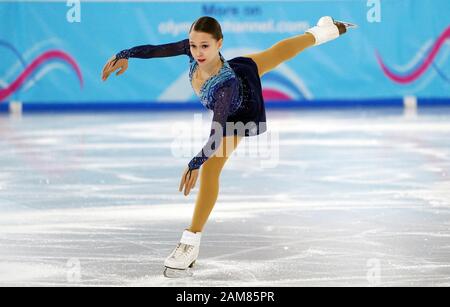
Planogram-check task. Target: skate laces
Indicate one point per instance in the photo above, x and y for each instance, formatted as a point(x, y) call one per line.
point(182, 250)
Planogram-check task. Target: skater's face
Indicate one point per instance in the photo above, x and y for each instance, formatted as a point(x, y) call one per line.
point(204, 47)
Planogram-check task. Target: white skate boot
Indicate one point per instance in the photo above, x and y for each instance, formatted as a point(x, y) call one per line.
point(183, 256)
point(328, 29)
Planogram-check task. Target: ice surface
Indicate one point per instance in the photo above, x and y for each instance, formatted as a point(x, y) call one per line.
point(357, 198)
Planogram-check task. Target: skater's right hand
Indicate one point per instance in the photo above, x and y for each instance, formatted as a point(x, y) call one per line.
point(188, 180)
point(112, 65)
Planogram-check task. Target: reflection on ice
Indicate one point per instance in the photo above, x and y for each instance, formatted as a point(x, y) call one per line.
point(356, 198)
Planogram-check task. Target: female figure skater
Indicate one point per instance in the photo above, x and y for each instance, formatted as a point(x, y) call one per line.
point(232, 89)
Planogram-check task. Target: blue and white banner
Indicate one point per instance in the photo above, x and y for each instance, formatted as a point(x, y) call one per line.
point(54, 51)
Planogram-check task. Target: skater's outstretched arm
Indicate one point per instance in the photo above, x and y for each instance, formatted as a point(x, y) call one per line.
point(222, 97)
point(120, 60)
point(156, 51)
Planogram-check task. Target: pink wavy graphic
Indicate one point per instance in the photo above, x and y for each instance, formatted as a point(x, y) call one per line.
point(422, 68)
point(45, 57)
point(270, 94)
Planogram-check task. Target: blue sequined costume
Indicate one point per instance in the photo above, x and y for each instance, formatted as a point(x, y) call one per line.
point(234, 94)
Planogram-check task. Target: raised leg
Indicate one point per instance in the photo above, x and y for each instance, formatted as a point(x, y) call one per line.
point(280, 52)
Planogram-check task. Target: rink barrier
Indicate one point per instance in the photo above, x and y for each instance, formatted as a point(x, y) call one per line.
point(122, 106)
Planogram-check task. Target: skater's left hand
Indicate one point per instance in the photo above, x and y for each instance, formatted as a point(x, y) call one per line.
point(188, 180)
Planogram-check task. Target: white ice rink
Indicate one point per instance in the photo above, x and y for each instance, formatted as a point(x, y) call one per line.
point(354, 198)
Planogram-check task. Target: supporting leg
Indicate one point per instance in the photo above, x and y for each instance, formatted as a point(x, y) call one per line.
point(209, 182)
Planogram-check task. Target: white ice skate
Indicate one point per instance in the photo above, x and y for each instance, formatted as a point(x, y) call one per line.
point(183, 257)
point(328, 29)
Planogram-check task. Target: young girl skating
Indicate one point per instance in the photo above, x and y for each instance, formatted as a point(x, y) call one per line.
point(232, 90)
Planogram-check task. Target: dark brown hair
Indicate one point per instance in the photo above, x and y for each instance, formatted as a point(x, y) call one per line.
point(208, 25)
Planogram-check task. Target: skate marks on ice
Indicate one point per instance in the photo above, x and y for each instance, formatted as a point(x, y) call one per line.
point(360, 194)
point(333, 247)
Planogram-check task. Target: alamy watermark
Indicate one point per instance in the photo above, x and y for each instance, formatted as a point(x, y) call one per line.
point(73, 270)
point(374, 272)
point(263, 147)
point(74, 13)
point(374, 12)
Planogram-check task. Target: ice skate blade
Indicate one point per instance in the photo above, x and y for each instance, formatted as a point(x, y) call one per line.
point(348, 25)
point(177, 273)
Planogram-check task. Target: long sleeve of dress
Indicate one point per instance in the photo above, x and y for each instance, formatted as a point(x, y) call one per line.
point(222, 98)
point(156, 51)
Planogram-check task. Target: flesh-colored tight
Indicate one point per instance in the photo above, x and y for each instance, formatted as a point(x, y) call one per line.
point(210, 171)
